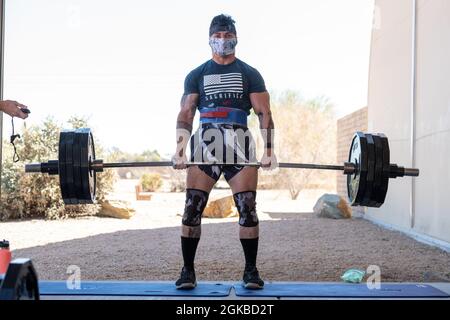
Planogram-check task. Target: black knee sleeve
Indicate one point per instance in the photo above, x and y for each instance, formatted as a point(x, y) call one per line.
point(195, 204)
point(246, 205)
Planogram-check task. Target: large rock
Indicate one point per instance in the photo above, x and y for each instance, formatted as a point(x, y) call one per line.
point(332, 206)
point(116, 209)
point(220, 207)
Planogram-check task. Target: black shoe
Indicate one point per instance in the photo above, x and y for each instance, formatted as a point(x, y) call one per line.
point(187, 279)
point(251, 279)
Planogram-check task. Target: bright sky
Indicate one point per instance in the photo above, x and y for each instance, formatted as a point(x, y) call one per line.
point(123, 63)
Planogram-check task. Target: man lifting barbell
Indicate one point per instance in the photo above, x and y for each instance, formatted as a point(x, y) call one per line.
point(223, 89)
point(224, 114)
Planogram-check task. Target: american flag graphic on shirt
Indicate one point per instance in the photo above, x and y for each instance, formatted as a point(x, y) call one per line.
point(219, 83)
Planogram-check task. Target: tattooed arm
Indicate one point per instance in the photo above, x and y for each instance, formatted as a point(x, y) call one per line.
point(184, 128)
point(261, 105)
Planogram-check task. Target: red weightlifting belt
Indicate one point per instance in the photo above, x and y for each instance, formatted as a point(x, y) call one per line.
point(223, 115)
point(217, 113)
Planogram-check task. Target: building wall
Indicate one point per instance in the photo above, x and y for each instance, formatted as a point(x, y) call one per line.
point(346, 128)
point(419, 205)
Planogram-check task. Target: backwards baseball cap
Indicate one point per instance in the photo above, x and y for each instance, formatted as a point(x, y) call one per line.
point(222, 23)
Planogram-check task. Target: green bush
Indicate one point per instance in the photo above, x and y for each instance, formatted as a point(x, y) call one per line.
point(151, 182)
point(38, 195)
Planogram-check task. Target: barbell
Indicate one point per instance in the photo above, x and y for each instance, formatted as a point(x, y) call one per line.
point(368, 168)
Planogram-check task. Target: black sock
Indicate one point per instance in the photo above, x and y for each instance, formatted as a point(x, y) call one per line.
point(189, 246)
point(250, 247)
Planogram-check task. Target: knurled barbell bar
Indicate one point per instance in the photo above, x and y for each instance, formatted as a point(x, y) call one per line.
point(368, 168)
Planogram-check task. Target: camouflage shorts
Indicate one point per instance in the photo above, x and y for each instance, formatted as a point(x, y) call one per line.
point(226, 144)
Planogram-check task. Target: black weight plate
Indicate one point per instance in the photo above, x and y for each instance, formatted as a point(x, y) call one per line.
point(92, 173)
point(89, 179)
point(71, 192)
point(386, 168)
point(84, 163)
point(77, 167)
point(356, 183)
point(62, 165)
point(353, 180)
point(377, 191)
point(85, 197)
point(370, 171)
point(362, 167)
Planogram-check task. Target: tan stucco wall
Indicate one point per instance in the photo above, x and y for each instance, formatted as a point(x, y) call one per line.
point(389, 111)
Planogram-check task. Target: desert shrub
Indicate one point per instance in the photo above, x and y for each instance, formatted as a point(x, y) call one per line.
point(151, 182)
point(38, 195)
point(305, 131)
point(177, 180)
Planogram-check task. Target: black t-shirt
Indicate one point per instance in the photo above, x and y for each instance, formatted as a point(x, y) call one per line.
point(224, 85)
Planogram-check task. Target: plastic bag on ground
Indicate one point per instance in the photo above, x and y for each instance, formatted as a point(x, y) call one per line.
point(353, 276)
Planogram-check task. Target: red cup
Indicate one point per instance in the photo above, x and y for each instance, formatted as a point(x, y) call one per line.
point(5, 256)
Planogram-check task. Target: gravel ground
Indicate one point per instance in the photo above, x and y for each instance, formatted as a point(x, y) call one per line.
point(294, 245)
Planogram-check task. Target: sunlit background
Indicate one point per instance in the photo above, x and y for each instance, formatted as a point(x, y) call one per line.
point(381, 65)
point(123, 66)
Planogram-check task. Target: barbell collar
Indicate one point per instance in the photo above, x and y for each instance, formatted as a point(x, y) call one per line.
point(349, 168)
point(97, 165)
point(396, 171)
point(34, 168)
point(50, 167)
